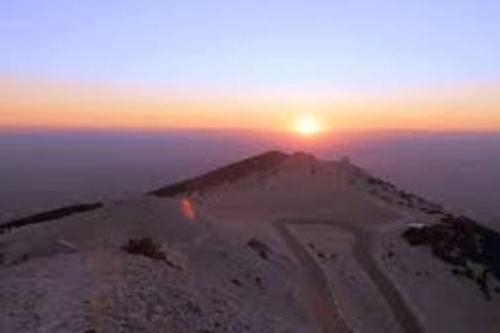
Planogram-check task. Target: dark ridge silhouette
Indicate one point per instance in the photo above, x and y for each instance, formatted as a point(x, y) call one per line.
point(301, 155)
point(405, 198)
point(49, 216)
point(460, 241)
point(227, 174)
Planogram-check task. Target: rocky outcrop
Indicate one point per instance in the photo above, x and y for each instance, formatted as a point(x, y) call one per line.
point(471, 248)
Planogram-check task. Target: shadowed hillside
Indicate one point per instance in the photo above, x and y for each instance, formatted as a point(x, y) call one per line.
point(227, 174)
point(49, 215)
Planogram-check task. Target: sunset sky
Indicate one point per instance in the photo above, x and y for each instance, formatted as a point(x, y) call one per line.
point(432, 65)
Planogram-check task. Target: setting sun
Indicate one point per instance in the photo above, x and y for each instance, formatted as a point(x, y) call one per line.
point(307, 125)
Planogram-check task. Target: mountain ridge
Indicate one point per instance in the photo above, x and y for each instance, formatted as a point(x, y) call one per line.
point(225, 174)
point(314, 246)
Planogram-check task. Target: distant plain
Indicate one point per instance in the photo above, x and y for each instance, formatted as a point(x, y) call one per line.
point(47, 169)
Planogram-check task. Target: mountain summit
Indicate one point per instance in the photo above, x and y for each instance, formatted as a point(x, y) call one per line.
point(273, 243)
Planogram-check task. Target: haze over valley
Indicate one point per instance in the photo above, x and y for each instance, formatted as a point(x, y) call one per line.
point(46, 169)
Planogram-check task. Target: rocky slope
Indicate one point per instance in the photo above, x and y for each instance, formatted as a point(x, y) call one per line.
point(273, 243)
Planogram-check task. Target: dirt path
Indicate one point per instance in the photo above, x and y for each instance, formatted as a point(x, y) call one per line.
point(362, 248)
point(316, 286)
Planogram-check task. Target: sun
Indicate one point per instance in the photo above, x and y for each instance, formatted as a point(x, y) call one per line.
point(307, 125)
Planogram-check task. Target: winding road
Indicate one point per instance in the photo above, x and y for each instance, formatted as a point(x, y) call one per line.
point(322, 301)
point(316, 285)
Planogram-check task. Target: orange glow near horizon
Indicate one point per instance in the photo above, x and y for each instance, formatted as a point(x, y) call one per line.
point(30, 104)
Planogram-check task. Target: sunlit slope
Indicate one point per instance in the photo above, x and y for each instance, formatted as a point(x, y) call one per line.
point(274, 242)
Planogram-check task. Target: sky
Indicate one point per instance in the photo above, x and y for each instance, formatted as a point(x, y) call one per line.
point(228, 63)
